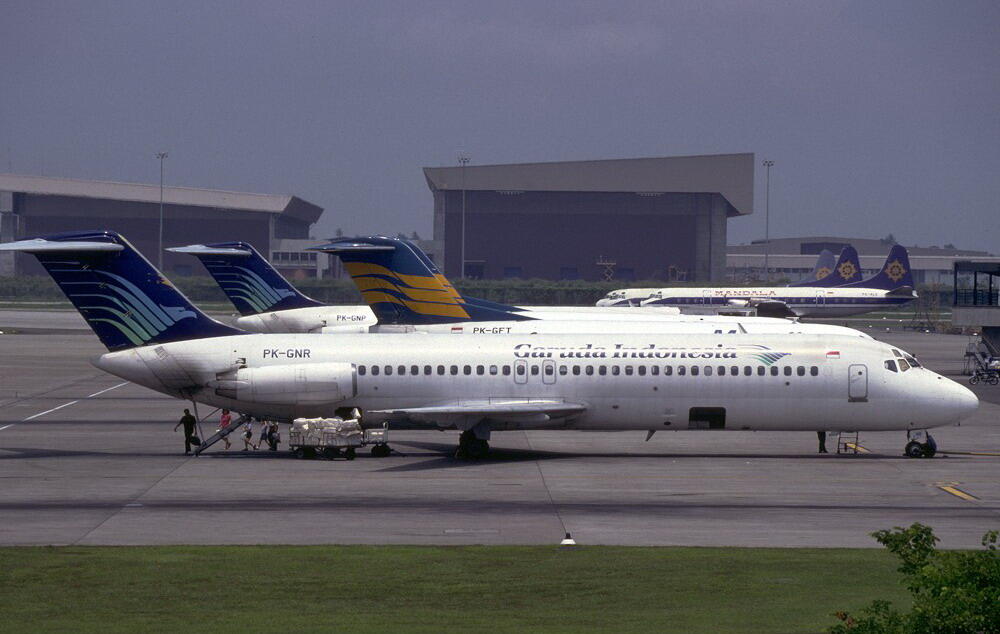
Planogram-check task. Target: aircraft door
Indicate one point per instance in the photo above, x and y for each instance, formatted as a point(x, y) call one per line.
point(706, 297)
point(857, 383)
point(521, 371)
point(548, 372)
point(820, 298)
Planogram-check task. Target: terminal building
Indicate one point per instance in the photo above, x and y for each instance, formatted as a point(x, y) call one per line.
point(277, 225)
point(794, 258)
point(623, 219)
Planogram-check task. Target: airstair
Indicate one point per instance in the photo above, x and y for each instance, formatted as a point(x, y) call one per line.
point(847, 442)
point(219, 435)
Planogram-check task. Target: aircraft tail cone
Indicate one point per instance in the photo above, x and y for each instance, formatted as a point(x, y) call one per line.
point(568, 541)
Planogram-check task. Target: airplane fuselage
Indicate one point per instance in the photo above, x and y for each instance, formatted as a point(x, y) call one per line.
point(621, 382)
point(803, 301)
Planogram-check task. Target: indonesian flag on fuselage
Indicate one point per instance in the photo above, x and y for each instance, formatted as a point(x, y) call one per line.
point(833, 354)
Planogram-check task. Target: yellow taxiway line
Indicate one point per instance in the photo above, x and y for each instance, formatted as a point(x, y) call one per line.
point(949, 487)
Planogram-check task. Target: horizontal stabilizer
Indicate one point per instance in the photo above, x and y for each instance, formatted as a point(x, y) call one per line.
point(41, 245)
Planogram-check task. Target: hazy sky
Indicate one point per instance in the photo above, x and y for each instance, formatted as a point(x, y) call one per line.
point(881, 116)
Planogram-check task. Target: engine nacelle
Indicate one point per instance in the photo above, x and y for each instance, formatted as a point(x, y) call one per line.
point(300, 384)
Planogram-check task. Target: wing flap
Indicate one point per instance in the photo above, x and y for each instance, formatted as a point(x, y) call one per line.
point(499, 410)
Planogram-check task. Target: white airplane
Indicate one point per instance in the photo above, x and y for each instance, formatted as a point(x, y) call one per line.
point(892, 286)
point(407, 293)
point(611, 382)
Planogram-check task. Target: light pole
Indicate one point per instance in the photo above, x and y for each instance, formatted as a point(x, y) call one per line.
point(767, 221)
point(159, 252)
point(463, 160)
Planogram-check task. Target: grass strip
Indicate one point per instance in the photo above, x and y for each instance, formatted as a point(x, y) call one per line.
point(434, 589)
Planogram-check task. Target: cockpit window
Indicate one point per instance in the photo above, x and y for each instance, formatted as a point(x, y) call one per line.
point(897, 353)
point(890, 365)
point(903, 365)
point(912, 361)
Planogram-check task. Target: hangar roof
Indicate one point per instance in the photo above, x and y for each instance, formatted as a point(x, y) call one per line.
point(731, 175)
point(811, 245)
point(138, 192)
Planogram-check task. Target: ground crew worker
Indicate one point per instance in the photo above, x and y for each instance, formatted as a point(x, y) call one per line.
point(189, 422)
point(822, 441)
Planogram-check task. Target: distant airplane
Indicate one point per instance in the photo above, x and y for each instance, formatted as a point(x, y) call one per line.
point(405, 291)
point(599, 382)
point(403, 287)
point(823, 267)
point(891, 287)
point(846, 270)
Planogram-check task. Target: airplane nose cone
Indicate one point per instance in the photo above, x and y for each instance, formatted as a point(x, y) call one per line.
point(603, 302)
point(966, 402)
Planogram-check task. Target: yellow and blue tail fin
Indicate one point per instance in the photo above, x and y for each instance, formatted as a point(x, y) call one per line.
point(123, 298)
point(402, 285)
point(247, 279)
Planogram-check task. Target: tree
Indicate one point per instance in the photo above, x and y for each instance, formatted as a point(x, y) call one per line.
point(339, 233)
point(953, 591)
point(889, 240)
point(414, 236)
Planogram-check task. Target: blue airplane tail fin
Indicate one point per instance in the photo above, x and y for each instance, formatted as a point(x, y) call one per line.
point(847, 270)
point(402, 285)
point(823, 267)
point(894, 274)
point(123, 298)
point(247, 279)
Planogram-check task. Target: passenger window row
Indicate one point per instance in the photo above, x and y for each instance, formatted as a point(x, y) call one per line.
point(600, 370)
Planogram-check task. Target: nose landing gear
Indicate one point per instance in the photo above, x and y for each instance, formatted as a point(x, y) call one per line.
point(920, 445)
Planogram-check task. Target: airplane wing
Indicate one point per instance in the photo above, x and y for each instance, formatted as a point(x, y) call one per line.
point(513, 410)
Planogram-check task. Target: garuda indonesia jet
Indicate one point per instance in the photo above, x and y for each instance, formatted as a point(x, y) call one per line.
point(601, 382)
point(891, 287)
point(405, 291)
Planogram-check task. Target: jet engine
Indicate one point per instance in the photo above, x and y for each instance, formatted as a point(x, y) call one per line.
point(300, 384)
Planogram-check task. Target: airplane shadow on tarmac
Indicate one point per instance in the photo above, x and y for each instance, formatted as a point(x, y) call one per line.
point(502, 455)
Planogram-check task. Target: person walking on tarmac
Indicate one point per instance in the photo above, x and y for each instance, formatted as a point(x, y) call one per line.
point(822, 441)
point(264, 435)
point(248, 434)
point(189, 422)
point(224, 421)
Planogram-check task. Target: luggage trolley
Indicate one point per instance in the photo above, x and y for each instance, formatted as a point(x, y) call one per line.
point(333, 438)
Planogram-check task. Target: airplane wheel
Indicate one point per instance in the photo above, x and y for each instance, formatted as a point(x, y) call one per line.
point(974, 379)
point(350, 453)
point(298, 453)
point(928, 451)
point(914, 449)
point(477, 449)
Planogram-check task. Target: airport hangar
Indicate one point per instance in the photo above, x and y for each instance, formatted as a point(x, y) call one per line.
point(638, 218)
point(277, 225)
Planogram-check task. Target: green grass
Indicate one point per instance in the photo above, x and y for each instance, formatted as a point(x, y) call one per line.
point(433, 589)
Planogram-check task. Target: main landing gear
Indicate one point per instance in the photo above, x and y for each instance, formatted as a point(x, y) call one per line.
point(470, 447)
point(920, 445)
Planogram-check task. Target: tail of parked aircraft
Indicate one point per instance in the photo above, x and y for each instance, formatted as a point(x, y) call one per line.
point(824, 266)
point(402, 285)
point(847, 270)
point(124, 299)
point(247, 279)
point(894, 275)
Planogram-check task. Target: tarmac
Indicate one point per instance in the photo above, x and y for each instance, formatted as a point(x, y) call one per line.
point(88, 459)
